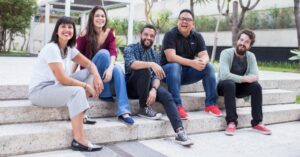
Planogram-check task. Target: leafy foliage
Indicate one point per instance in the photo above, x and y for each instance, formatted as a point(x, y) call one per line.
point(15, 17)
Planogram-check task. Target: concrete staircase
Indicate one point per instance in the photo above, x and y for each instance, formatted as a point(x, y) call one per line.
point(26, 129)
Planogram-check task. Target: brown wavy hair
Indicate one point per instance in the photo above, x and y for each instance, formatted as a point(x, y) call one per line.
point(91, 33)
point(249, 33)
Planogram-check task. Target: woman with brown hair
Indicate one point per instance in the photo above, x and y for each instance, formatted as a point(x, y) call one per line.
point(97, 42)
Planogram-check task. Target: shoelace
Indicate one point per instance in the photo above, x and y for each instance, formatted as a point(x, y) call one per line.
point(150, 111)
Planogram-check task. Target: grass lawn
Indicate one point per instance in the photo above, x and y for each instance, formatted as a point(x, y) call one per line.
point(16, 54)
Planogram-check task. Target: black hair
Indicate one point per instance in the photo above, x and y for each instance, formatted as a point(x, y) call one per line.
point(186, 11)
point(64, 20)
point(148, 26)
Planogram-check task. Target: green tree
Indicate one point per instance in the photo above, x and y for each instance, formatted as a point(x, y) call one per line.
point(236, 19)
point(15, 16)
point(120, 26)
point(161, 22)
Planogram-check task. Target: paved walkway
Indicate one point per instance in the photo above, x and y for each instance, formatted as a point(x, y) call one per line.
point(17, 71)
point(284, 142)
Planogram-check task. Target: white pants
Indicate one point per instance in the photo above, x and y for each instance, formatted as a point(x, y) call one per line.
point(57, 95)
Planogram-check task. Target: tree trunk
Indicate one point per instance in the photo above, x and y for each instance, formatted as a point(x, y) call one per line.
point(192, 6)
point(234, 27)
point(213, 53)
point(297, 19)
point(11, 39)
point(24, 42)
point(2, 38)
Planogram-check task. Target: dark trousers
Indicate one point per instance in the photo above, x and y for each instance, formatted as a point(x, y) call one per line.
point(139, 85)
point(229, 89)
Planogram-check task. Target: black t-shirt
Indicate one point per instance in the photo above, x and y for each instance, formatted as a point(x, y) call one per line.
point(239, 65)
point(187, 47)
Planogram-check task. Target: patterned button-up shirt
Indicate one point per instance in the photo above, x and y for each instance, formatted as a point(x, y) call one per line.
point(136, 52)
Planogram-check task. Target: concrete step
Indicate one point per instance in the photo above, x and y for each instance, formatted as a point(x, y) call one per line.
point(10, 92)
point(20, 111)
point(46, 136)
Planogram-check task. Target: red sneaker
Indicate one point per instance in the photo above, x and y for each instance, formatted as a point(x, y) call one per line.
point(214, 110)
point(262, 129)
point(231, 128)
point(181, 112)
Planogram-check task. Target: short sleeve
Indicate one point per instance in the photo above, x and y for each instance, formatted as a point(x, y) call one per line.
point(51, 53)
point(169, 41)
point(111, 43)
point(74, 52)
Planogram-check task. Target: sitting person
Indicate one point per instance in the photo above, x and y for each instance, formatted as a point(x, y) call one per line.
point(185, 61)
point(238, 76)
point(98, 44)
point(143, 75)
point(52, 84)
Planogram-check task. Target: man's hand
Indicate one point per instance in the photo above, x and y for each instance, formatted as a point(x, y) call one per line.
point(198, 64)
point(151, 97)
point(250, 79)
point(157, 69)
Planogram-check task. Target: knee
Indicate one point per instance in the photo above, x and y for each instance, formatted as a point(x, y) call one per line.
point(256, 86)
point(173, 70)
point(79, 92)
point(144, 73)
point(103, 54)
point(228, 84)
point(209, 69)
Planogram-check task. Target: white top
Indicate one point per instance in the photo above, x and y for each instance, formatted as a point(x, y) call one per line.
point(50, 53)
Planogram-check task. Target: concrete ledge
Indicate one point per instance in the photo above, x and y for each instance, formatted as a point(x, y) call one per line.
point(35, 137)
point(11, 92)
point(19, 111)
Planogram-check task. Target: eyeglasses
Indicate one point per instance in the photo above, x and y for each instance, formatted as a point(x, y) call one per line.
point(185, 19)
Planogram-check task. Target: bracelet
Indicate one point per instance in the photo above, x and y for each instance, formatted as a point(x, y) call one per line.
point(154, 88)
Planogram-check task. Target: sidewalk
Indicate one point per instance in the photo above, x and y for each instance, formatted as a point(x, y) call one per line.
point(284, 142)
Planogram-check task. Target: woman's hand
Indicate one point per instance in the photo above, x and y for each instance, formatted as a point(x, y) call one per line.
point(90, 91)
point(107, 75)
point(98, 84)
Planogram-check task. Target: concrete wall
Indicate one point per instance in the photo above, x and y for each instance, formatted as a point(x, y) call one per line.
point(264, 38)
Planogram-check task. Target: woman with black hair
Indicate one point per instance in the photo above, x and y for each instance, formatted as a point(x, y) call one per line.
point(53, 85)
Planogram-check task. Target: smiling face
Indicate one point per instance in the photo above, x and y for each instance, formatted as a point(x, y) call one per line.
point(185, 23)
point(243, 44)
point(147, 37)
point(65, 32)
point(99, 19)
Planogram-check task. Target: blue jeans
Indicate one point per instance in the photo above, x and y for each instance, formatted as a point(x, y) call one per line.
point(102, 61)
point(180, 75)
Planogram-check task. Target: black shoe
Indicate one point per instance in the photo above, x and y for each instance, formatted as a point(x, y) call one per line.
point(79, 147)
point(148, 112)
point(88, 120)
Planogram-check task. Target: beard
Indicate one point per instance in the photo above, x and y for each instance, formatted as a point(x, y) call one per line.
point(241, 50)
point(145, 46)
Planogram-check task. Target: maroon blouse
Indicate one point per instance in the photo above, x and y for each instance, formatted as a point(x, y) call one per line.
point(109, 44)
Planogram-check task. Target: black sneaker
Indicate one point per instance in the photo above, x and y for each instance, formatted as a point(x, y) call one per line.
point(148, 112)
point(88, 120)
point(183, 139)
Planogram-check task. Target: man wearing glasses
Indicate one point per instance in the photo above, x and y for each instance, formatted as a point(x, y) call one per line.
point(185, 61)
